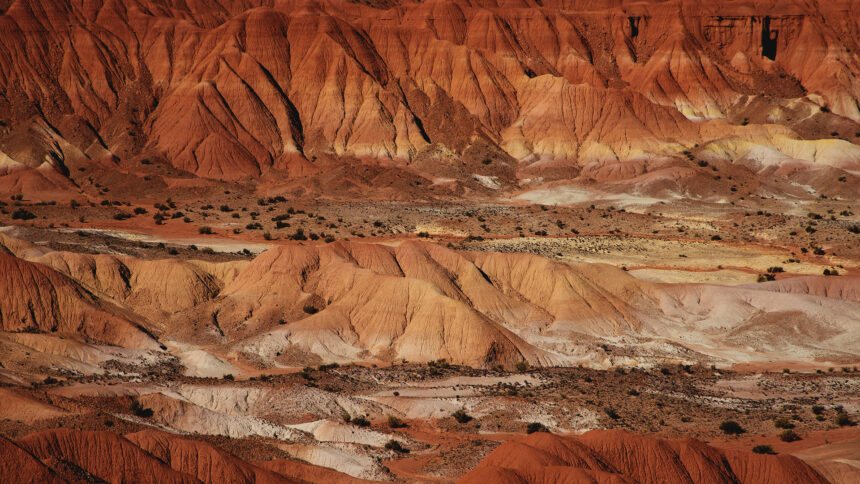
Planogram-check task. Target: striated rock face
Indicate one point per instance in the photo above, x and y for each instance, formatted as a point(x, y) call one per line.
point(349, 301)
point(614, 456)
point(65, 455)
point(201, 460)
point(39, 299)
point(104, 455)
point(18, 465)
point(231, 89)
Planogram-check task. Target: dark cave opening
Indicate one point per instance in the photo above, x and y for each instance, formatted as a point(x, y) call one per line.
point(634, 26)
point(768, 39)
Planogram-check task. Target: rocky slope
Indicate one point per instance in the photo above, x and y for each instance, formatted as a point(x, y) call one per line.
point(346, 301)
point(617, 456)
point(601, 91)
point(613, 456)
point(38, 299)
point(64, 455)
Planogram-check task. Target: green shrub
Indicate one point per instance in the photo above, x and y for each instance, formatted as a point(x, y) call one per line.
point(140, 410)
point(22, 214)
point(783, 423)
point(361, 422)
point(730, 427)
point(763, 449)
point(395, 422)
point(843, 420)
point(310, 309)
point(789, 436)
point(536, 427)
point(461, 416)
point(396, 447)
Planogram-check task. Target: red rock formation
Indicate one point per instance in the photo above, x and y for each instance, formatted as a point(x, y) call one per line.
point(105, 455)
point(201, 460)
point(309, 473)
point(238, 88)
point(615, 456)
point(64, 455)
point(351, 301)
point(37, 298)
point(18, 465)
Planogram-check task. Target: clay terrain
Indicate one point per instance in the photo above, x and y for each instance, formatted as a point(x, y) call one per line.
point(348, 241)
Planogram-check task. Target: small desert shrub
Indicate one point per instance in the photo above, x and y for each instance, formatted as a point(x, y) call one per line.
point(22, 214)
point(140, 410)
point(843, 420)
point(522, 366)
point(461, 416)
point(611, 413)
point(205, 230)
point(310, 309)
point(441, 363)
point(536, 427)
point(395, 422)
point(361, 422)
point(730, 427)
point(396, 447)
point(783, 423)
point(789, 436)
point(763, 449)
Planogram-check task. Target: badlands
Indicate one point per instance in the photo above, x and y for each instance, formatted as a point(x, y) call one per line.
point(514, 241)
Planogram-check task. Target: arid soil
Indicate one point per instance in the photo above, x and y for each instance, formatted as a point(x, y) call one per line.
point(318, 415)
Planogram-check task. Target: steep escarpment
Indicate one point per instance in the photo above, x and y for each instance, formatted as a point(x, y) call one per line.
point(236, 89)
